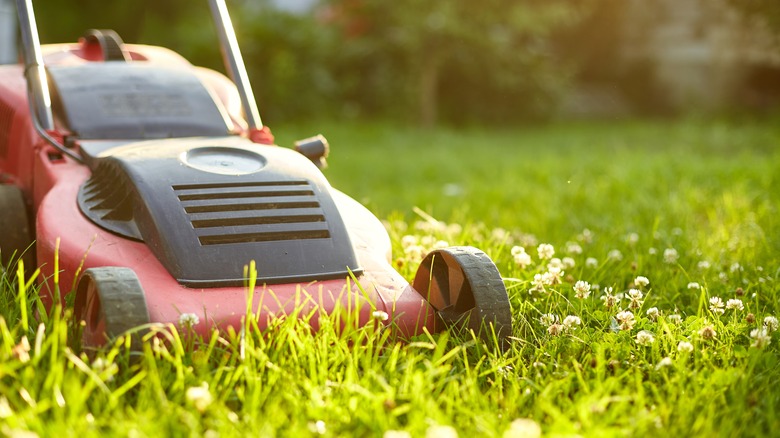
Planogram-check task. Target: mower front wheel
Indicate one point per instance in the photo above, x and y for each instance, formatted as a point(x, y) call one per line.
point(464, 286)
point(111, 302)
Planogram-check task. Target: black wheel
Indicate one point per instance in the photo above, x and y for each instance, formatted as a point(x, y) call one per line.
point(110, 301)
point(15, 237)
point(466, 289)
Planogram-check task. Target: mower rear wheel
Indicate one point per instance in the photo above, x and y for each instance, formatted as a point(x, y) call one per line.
point(464, 286)
point(15, 238)
point(111, 302)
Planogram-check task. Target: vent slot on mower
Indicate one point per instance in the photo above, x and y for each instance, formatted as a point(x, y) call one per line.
point(232, 213)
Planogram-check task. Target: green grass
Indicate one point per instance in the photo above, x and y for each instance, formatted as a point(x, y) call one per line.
point(709, 190)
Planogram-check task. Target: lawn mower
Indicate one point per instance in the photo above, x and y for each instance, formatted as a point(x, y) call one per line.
point(160, 183)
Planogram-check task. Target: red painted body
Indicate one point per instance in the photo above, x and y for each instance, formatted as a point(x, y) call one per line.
point(50, 183)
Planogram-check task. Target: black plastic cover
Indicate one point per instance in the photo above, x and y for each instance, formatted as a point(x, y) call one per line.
point(206, 207)
point(125, 100)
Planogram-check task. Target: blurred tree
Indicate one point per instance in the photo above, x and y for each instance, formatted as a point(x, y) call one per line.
point(498, 44)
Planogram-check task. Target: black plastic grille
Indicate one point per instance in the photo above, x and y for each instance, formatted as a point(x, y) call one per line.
point(234, 213)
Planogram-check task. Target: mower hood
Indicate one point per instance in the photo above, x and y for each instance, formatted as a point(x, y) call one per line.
point(206, 207)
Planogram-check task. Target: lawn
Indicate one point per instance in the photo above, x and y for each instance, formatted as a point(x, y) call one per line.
point(641, 259)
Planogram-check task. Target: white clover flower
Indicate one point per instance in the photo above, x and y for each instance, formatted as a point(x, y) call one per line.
point(582, 289)
point(555, 262)
point(722, 276)
point(522, 259)
point(644, 338)
point(735, 267)
point(500, 234)
point(609, 299)
point(517, 250)
point(665, 362)
point(653, 313)
point(675, 318)
point(553, 274)
point(538, 283)
point(439, 431)
point(716, 306)
point(523, 428)
point(641, 281)
point(548, 319)
point(761, 337)
point(573, 248)
point(585, 236)
point(396, 434)
point(319, 427)
point(632, 239)
point(454, 229)
point(708, 332)
point(652, 251)
point(694, 285)
point(625, 320)
point(735, 304)
point(571, 322)
point(440, 244)
point(684, 347)
point(409, 240)
point(671, 255)
point(635, 296)
point(703, 265)
point(591, 263)
point(188, 320)
point(615, 254)
point(569, 263)
point(199, 396)
point(545, 251)
point(771, 323)
point(556, 329)
point(380, 315)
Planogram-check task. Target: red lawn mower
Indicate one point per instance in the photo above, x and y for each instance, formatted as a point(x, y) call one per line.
point(161, 183)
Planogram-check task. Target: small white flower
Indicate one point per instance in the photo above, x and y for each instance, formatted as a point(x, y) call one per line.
point(582, 289)
point(586, 236)
point(708, 332)
point(591, 263)
point(545, 250)
point(553, 274)
point(653, 313)
point(571, 322)
point(716, 306)
point(556, 329)
point(675, 318)
point(517, 250)
point(632, 239)
point(652, 251)
point(735, 267)
point(573, 248)
point(523, 428)
point(439, 431)
point(665, 362)
point(625, 320)
point(671, 255)
point(396, 434)
point(771, 323)
point(615, 254)
point(199, 396)
point(644, 338)
point(694, 285)
point(522, 259)
point(735, 304)
point(761, 337)
point(188, 320)
point(555, 262)
point(635, 297)
point(703, 265)
point(409, 240)
point(380, 315)
point(641, 281)
point(684, 347)
point(569, 263)
point(548, 319)
point(609, 299)
point(318, 427)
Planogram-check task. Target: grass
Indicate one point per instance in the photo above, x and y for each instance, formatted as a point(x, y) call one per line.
point(625, 194)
